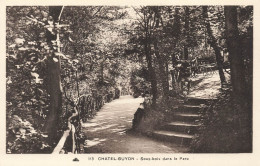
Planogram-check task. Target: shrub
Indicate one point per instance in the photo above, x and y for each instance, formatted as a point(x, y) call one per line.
point(224, 127)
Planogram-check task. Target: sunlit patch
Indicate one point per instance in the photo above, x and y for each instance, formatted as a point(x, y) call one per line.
point(164, 146)
point(207, 88)
point(102, 128)
point(116, 130)
point(121, 132)
point(101, 116)
point(94, 142)
point(92, 124)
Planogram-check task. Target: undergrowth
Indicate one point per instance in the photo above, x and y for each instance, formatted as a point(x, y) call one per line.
point(226, 127)
point(152, 117)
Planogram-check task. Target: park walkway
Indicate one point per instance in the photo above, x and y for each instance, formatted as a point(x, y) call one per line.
point(108, 131)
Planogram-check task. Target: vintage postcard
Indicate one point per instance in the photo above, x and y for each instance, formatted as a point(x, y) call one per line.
point(123, 83)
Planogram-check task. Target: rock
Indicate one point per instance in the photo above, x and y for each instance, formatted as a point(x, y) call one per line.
point(138, 116)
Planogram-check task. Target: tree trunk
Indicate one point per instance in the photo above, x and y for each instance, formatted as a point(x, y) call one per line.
point(167, 71)
point(176, 35)
point(213, 43)
point(152, 75)
point(186, 33)
point(102, 72)
point(243, 102)
point(174, 63)
point(148, 56)
point(161, 62)
point(235, 54)
point(53, 81)
point(185, 52)
point(163, 76)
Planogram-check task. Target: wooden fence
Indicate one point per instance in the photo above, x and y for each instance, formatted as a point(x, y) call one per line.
point(84, 108)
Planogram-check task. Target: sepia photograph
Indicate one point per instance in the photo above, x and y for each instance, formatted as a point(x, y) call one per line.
point(129, 79)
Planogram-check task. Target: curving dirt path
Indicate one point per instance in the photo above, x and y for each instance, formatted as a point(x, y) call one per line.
point(206, 86)
point(108, 131)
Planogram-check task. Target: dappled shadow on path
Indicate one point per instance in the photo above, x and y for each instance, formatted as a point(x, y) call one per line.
point(108, 131)
point(206, 86)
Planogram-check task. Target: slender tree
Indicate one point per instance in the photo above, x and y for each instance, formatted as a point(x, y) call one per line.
point(213, 43)
point(147, 50)
point(160, 57)
point(186, 32)
point(53, 78)
point(176, 32)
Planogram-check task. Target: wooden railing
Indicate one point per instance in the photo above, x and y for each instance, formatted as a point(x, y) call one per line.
point(84, 107)
point(71, 129)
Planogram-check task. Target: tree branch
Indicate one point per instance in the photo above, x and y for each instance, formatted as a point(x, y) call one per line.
point(97, 11)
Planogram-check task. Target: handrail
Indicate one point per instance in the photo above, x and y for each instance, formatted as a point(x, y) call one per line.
point(71, 128)
point(66, 133)
point(73, 131)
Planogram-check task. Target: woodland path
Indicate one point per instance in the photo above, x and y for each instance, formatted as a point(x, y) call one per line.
point(108, 132)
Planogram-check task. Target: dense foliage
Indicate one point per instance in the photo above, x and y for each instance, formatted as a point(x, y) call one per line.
point(227, 124)
point(225, 128)
point(92, 53)
point(168, 35)
point(88, 67)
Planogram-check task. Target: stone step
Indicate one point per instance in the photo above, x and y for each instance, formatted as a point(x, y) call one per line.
point(191, 108)
point(185, 127)
point(172, 136)
point(186, 117)
point(183, 122)
point(198, 101)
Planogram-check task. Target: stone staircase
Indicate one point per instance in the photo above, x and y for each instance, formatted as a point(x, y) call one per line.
point(181, 126)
